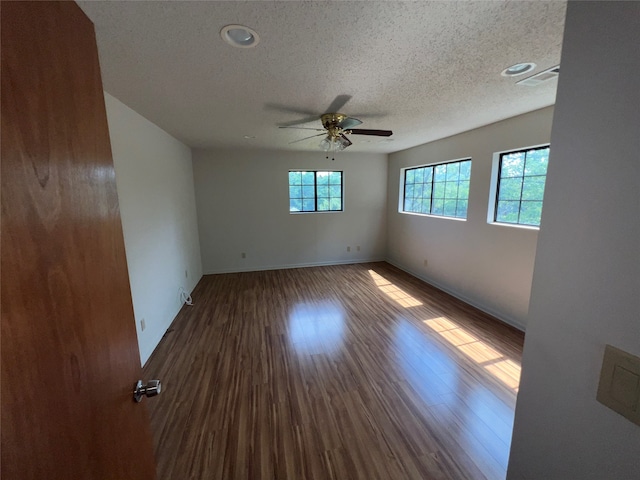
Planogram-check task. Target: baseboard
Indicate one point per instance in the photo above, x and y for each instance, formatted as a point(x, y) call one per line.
point(499, 315)
point(156, 342)
point(162, 332)
point(296, 265)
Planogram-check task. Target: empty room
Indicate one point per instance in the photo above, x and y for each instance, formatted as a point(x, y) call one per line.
point(320, 240)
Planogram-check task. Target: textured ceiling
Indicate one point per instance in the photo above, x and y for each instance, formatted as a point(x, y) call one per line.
point(425, 70)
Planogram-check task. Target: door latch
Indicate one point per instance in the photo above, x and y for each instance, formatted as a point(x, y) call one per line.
point(151, 389)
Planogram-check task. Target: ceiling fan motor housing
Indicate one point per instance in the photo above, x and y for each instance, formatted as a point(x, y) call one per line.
point(332, 121)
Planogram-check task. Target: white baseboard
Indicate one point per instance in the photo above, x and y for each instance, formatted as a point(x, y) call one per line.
point(474, 303)
point(151, 346)
point(296, 265)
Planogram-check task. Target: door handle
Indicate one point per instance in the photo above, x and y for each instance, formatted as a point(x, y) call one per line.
point(151, 389)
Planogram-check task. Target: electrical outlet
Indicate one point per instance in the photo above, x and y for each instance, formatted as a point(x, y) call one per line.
point(348, 249)
point(425, 263)
point(243, 255)
point(143, 325)
point(358, 248)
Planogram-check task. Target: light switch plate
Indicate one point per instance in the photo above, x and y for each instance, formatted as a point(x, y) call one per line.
point(619, 387)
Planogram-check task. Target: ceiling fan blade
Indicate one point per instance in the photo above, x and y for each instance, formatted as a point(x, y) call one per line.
point(365, 131)
point(305, 128)
point(338, 103)
point(302, 121)
point(371, 115)
point(284, 108)
point(307, 138)
point(349, 123)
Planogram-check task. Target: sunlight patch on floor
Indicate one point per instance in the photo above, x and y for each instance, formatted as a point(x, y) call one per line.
point(501, 367)
point(393, 292)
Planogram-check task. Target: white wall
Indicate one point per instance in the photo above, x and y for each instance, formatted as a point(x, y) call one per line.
point(243, 206)
point(155, 189)
point(487, 265)
point(586, 283)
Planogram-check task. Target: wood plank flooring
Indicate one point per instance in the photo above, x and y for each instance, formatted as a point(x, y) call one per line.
point(341, 372)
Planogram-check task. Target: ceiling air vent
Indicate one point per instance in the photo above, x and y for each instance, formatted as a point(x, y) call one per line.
point(538, 78)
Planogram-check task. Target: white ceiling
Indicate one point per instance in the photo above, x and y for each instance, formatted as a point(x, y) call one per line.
point(425, 70)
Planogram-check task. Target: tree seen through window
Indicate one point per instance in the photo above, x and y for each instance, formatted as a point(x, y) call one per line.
point(441, 189)
point(521, 181)
point(315, 191)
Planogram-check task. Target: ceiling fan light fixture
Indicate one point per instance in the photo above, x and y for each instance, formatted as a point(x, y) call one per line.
point(325, 144)
point(335, 144)
point(342, 143)
point(240, 36)
point(518, 69)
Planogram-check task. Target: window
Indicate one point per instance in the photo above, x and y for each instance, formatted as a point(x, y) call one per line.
point(520, 187)
point(313, 191)
point(441, 189)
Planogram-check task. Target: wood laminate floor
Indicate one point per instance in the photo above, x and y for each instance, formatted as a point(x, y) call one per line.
point(340, 372)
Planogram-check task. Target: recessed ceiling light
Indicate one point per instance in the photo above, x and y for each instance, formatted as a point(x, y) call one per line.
point(249, 137)
point(518, 69)
point(240, 36)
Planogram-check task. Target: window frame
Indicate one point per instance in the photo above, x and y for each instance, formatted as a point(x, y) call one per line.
point(315, 190)
point(495, 186)
point(403, 179)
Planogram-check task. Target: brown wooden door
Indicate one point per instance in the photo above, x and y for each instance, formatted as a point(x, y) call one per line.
point(69, 350)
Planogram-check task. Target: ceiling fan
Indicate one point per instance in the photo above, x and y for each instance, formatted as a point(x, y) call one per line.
point(335, 127)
